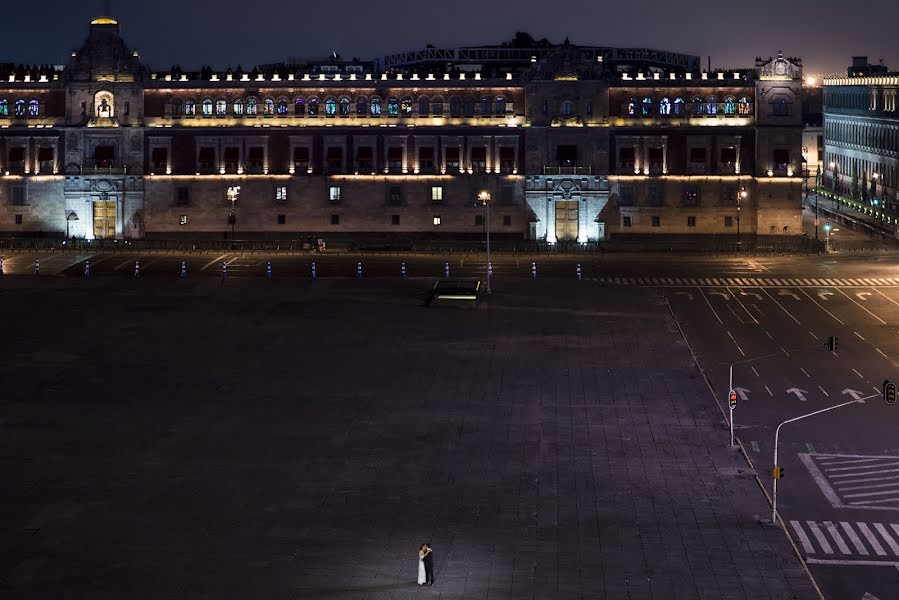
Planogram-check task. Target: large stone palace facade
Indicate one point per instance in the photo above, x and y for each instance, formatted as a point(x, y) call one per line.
point(574, 143)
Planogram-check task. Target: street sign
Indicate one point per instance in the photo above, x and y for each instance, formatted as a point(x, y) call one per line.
point(733, 399)
point(889, 392)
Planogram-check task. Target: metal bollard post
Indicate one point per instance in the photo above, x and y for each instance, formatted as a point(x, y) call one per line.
point(314, 272)
point(359, 270)
point(579, 275)
point(183, 269)
point(490, 270)
point(224, 271)
point(37, 266)
point(137, 268)
point(87, 268)
point(403, 270)
point(268, 270)
point(446, 271)
point(534, 270)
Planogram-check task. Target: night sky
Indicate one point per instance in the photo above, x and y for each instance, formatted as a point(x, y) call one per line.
point(825, 33)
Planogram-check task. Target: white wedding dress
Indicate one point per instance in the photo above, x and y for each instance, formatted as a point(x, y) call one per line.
point(421, 571)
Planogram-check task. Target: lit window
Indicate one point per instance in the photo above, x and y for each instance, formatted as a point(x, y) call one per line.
point(238, 107)
point(299, 107)
point(424, 106)
point(437, 107)
point(711, 105)
point(679, 107)
point(207, 107)
point(407, 106)
point(330, 107)
point(437, 220)
point(393, 106)
point(344, 107)
point(4, 107)
point(632, 107)
point(500, 105)
point(34, 108)
point(312, 107)
point(233, 194)
point(437, 193)
point(281, 193)
point(361, 106)
point(334, 193)
point(744, 106)
point(20, 108)
point(221, 108)
point(647, 106)
point(251, 106)
point(664, 106)
point(376, 106)
point(183, 220)
point(697, 105)
point(567, 108)
point(730, 105)
point(269, 108)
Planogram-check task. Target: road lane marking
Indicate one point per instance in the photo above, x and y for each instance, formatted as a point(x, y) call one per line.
point(858, 334)
point(755, 447)
point(736, 344)
point(710, 305)
point(860, 376)
point(769, 391)
point(823, 391)
point(882, 322)
point(754, 371)
point(803, 538)
point(130, 261)
point(212, 262)
point(853, 537)
point(819, 535)
point(885, 296)
point(881, 352)
point(805, 372)
point(855, 468)
point(768, 333)
point(830, 460)
point(798, 322)
point(870, 503)
point(810, 447)
point(837, 538)
point(870, 494)
point(894, 547)
point(872, 539)
point(881, 472)
point(870, 486)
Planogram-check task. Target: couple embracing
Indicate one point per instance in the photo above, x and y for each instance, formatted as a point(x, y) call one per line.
point(425, 565)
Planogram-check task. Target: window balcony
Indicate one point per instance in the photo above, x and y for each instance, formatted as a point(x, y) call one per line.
point(556, 170)
point(696, 168)
point(103, 170)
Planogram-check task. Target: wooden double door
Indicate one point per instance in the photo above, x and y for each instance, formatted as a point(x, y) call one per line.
point(567, 220)
point(105, 219)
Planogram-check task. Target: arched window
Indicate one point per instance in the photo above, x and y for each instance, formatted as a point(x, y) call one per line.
point(299, 107)
point(744, 106)
point(376, 107)
point(344, 107)
point(500, 105)
point(486, 106)
point(361, 105)
point(330, 107)
point(221, 108)
point(468, 107)
point(312, 107)
point(34, 108)
point(632, 110)
point(697, 105)
point(424, 106)
point(282, 106)
point(455, 106)
point(679, 105)
point(4, 107)
point(207, 107)
point(437, 106)
point(393, 106)
point(664, 106)
point(269, 107)
point(177, 107)
point(730, 105)
point(406, 106)
point(711, 105)
point(237, 107)
point(567, 108)
point(647, 107)
point(251, 106)
point(190, 108)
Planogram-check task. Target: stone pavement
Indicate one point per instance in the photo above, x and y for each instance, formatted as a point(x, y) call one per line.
point(294, 439)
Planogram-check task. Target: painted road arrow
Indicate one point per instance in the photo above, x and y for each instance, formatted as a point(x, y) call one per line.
point(788, 293)
point(856, 395)
point(687, 294)
point(799, 393)
point(722, 294)
point(743, 392)
point(863, 296)
point(869, 596)
point(824, 295)
point(753, 294)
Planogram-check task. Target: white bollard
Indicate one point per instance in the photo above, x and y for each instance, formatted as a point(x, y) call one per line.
point(268, 270)
point(579, 277)
point(137, 268)
point(314, 272)
point(87, 268)
point(359, 270)
point(446, 271)
point(534, 270)
point(37, 266)
point(403, 270)
point(183, 269)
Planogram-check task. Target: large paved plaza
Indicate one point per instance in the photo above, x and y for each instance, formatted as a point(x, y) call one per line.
point(300, 439)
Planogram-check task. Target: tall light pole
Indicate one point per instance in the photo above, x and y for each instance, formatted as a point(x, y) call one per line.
point(484, 199)
point(740, 198)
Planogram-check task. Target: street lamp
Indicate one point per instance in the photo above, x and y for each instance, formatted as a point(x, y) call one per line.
point(484, 199)
point(233, 195)
point(743, 195)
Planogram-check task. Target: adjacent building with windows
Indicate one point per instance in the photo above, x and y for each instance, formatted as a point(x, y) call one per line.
point(861, 136)
point(574, 144)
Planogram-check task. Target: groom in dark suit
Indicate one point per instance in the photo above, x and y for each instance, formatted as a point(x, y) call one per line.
point(429, 565)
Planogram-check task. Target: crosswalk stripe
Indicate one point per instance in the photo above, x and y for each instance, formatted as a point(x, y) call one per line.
point(868, 473)
point(864, 494)
point(835, 534)
point(828, 461)
point(844, 282)
point(869, 282)
point(872, 540)
point(669, 281)
point(819, 535)
point(893, 483)
point(882, 282)
point(853, 537)
point(887, 538)
point(807, 282)
point(855, 281)
point(803, 538)
point(819, 282)
point(745, 282)
point(857, 467)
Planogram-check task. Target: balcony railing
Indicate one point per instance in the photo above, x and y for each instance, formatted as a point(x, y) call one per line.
point(555, 170)
point(104, 170)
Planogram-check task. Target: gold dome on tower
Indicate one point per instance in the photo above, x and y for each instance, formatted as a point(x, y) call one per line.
point(104, 21)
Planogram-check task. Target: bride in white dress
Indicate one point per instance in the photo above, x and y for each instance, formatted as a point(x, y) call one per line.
point(421, 565)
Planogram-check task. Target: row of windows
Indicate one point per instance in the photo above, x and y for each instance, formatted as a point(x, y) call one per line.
point(342, 106)
point(656, 221)
point(691, 195)
point(698, 106)
point(436, 220)
point(870, 135)
point(21, 108)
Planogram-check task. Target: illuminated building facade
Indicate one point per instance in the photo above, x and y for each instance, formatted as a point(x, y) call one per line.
point(861, 136)
point(574, 143)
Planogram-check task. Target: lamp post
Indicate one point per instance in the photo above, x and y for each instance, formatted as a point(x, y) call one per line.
point(816, 215)
point(233, 195)
point(484, 199)
point(743, 195)
point(833, 170)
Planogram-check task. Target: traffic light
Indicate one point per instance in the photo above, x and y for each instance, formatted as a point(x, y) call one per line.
point(889, 392)
point(833, 342)
point(778, 473)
